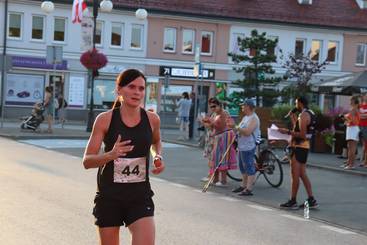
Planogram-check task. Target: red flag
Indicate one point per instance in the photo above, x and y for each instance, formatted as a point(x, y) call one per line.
point(78, 7)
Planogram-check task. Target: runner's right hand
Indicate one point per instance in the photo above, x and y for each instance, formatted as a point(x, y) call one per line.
point(121, 148)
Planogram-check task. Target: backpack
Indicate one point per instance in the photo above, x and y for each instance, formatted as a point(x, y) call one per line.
point(312, 126)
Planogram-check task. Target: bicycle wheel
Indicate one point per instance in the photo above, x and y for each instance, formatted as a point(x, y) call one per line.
point(234, 175)
point(271, 168)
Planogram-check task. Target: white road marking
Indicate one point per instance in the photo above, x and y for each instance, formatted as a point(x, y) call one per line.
point(230, 199)
point(74, 143)
point(179, 185)
point(339, 230)
point(158, 179)
point(261, 208)
point(294, 217)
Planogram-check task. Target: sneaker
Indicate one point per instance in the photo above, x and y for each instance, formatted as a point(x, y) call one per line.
point(348, 167)
point(290, 204)
point(220, 184)
point(312, 203)
point(205, 179)
point(246, 193)
point(238, 189)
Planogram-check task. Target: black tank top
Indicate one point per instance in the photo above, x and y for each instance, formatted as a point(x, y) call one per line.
point(141, 137)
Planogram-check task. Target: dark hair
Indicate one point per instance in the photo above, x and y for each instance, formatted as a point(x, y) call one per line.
point(186, 95)
point(124, 79)
point(303, 100)
point(49, 89)
point(355, 100)
point(215, 101)
point(128, 76)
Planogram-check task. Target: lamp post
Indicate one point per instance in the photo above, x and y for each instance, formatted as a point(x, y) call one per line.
point(106, 6)
point(3, 63)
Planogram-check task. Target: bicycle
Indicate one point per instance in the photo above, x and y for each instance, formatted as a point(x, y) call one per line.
point(267, 164)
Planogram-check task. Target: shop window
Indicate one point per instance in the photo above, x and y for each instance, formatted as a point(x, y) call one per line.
point(38, 24)
point(59, 29)
point(15, 26)
point(104, 94)
point(173, 94)
point(169, 43)
point(332, 54)
point(361, 54)
point(188, 37)
point(206, 42)
point(316, 50)
point(117, 34)
point(137, 36)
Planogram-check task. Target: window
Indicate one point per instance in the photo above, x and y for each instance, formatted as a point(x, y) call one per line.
point(361, 54)
point(99, 28)
point(332, 53)
point(252, 52)
point(188, 37)
point(316, 51)
point(117, 31)
point(300, 47)
point(206, 42)
point(59, 29)
point(38, 24)
point(235, 45)
point(169, 42)
point(271, 50)
point(137, 36)
point(15, 26)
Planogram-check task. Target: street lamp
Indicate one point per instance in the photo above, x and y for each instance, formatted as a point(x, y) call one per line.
point(106, 6)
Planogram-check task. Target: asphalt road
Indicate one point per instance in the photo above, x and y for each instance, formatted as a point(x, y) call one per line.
point(46, 198)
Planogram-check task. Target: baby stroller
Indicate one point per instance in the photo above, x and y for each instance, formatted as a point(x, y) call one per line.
point(35, 119)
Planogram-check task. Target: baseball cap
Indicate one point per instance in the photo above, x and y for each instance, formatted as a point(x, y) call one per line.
point(248, 102)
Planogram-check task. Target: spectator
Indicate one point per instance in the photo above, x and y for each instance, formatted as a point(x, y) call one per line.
point(222, 139)
point(352, 121)
point(300, 145)
point(209, 140)
point(192, 114)
point(363, 128)
point(61, 109)
point(49, 107)
point(184, 105)
point(248, 131)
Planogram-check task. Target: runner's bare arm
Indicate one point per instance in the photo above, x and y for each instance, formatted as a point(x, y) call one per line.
point(155, 125)
point(92, 157)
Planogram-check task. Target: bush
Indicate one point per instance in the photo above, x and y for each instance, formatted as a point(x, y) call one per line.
point(280, 111)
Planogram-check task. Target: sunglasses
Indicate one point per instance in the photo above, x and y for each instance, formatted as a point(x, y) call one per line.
point(213, 106)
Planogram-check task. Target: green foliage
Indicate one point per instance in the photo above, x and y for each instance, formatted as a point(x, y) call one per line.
point(280, 111)
point(256, 68)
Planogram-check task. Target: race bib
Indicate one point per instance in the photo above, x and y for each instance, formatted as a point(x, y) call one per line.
point(129, 170)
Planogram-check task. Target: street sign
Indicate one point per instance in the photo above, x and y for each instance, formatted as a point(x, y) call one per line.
point(54, 54)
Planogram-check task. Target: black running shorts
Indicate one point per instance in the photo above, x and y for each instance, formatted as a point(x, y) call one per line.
point(109, 213)
point(300, 154)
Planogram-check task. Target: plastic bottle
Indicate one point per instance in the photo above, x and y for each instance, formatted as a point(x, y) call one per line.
point(306, 210)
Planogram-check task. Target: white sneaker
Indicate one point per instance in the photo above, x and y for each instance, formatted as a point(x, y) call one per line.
point(205, 179)
point(220, 184)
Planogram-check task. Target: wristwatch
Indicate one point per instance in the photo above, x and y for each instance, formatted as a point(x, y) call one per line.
point(157, 157)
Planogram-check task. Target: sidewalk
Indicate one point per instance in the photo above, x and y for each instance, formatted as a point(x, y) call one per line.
point(77, 130)
point(318, 160)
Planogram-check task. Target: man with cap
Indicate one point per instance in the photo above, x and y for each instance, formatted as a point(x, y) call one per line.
point(248, 131)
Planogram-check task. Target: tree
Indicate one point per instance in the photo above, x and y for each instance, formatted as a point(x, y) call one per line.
point(301, 68)
point(254, 62)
